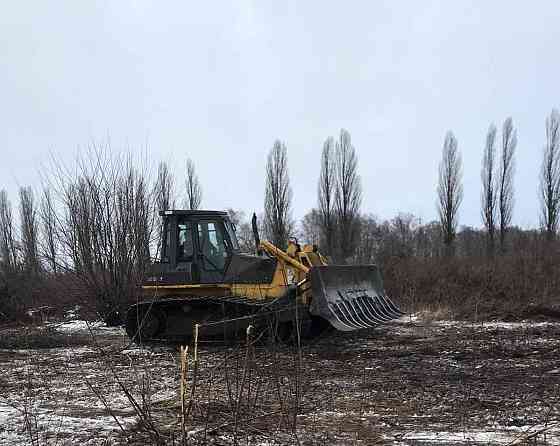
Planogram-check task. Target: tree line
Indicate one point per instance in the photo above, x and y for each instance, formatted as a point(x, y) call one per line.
point(97, 222)
point(340, 229)
point(497, 191)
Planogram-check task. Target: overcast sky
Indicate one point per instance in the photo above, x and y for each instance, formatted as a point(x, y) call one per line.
point(220, 81)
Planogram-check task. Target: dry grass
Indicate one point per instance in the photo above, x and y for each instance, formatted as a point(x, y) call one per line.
point(518, 286)
point(39, 337)
point(429, 314)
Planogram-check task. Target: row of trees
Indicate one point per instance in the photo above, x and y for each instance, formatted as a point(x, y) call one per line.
point(165, 195)
point(24, 252)
point(497, 196)
point(97, 221)
point(339, 198)
point(335, 224)
point(336, 218)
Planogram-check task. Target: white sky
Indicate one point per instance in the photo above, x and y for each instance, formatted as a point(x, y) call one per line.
point(220, 81)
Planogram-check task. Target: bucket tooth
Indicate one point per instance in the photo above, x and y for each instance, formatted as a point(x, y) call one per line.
point(353, 312)
point(347, 316)
point(350, 297)
point(369, 308)
point(363, 313)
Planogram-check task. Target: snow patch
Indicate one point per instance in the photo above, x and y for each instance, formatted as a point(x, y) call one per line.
point(503, 435)
point(83, 327)
point(495, 324)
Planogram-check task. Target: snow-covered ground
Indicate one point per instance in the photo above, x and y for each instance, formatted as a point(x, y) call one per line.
point(83, 327)
point(497, 436)
point(71, 395)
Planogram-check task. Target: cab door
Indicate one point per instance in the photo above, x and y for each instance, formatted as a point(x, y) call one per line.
point(214, 250)
point(185, 251)
point(177, 265)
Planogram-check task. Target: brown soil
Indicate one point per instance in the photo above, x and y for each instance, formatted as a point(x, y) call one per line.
point(403, 383)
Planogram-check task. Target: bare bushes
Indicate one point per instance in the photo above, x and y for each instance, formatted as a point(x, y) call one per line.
point(12, 307)
point(473, 283)
point(508, 287)
point(252, 391)
point(104, 227)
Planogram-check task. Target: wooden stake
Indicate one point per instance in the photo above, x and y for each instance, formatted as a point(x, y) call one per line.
point(184, 367)
point(195, 342)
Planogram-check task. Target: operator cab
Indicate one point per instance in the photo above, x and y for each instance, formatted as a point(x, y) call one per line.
point(196, 246)
point(200, 247)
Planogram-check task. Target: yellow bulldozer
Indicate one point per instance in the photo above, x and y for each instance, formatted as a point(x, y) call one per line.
point(203, 280)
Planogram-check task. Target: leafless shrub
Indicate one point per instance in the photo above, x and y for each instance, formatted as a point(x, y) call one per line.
point(105, 230)
point(515, 287)
point(258, 384)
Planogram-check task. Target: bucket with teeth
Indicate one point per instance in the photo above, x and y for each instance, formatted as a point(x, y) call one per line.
point(350, 297)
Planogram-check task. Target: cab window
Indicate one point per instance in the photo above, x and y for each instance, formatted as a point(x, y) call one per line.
point(166, 242)
point(185, 247)
point(213, 245)
point(232, 236)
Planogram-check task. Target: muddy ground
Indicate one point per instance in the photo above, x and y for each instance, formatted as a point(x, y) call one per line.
point(409, 382)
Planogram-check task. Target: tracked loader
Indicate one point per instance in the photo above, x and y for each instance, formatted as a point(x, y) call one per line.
point(202, 280)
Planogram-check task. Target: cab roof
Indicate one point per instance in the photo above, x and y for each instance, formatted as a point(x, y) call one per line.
point(193, 213)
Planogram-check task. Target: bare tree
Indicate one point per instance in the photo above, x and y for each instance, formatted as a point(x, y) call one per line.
point(505, 179)
point(164, 188)
point(348, 197)
point(368, 250)
point(312, 228)
point(243, 230)
point(327, 188)
point(48, 243)
point(194, 190)
point(550, 177)
point(163, 193)
point(489, 195)
point(429, 239)
point(404, 227)
point(28, 222)
point(450, 191)
point(471, 242)
point(7, 239)
point(278, 196)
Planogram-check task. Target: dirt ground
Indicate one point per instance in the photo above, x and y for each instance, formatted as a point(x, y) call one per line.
point(409, 382)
